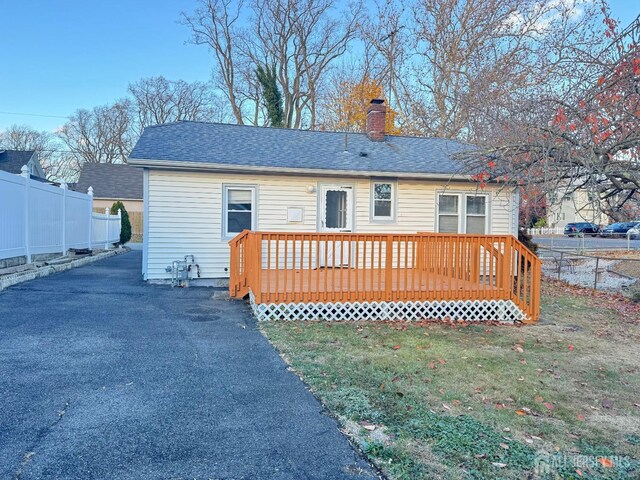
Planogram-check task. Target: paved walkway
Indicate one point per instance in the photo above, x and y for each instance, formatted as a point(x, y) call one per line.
point(103, 376)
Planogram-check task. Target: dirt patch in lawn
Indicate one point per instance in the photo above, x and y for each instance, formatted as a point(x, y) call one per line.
point(483, 401)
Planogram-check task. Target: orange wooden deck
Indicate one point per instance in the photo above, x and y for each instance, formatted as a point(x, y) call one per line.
point(279, 268)
point(349, 284)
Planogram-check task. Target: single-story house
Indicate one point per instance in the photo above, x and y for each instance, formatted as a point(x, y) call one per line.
point(204, 183)
point(12, 161)
point(112, 182)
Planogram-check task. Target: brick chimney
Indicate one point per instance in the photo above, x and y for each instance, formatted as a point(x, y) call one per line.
point(376, 117)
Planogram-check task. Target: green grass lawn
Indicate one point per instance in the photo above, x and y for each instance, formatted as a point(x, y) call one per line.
point(484, 401)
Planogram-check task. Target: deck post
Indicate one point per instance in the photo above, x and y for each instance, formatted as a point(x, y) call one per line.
point(388, 270)
point(256, 239)
point(474, 261)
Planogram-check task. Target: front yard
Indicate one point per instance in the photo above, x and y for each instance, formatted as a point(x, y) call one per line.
point(484, 401)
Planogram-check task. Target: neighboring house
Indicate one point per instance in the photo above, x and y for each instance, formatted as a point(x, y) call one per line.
point(204, 183)
point(12, 161)
point(577, 206)
point(112, 182)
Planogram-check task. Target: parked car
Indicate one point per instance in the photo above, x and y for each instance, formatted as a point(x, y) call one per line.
point(634, 233)
point(619, 229)
point(581, 228)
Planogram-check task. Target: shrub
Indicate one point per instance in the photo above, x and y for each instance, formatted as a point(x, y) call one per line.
point(125, 223)
point(527, 240)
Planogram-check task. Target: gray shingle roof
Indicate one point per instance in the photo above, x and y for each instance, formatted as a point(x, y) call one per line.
point(111, 180)
point(247, 146)
point(12, 160)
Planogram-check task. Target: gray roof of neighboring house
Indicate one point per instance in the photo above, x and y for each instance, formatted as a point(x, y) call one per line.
point(12, 160)
point(248, 146)
point(111, 180)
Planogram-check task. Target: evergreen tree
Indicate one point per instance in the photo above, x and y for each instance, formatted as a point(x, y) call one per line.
point(272, 96)
point(125, 223)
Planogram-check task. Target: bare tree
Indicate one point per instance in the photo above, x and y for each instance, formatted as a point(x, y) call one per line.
point(23, 137)
point(158, 100)
point(215, 23)
point(577, 138)
point(56, 164)
point(100, 135)
point(387, 42)
point(473, 58)
point(301, 38)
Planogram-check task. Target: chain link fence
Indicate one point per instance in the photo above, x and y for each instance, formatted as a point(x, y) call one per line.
point(599, 272)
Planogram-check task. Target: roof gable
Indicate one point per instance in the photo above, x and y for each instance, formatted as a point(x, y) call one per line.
point(12, 161)
point(111, 180)
point(247, 146)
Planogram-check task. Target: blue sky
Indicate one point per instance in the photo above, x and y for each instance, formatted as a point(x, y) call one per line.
point(61, 55)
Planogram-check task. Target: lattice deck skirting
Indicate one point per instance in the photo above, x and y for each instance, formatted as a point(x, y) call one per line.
point(468, 310)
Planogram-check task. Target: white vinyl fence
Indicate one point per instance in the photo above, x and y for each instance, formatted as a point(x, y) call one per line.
point(37, 218)
point(546, 231)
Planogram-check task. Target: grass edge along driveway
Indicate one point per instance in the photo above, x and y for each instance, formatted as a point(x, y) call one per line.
point(429, 400)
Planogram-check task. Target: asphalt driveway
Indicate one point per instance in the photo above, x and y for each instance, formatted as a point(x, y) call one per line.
point(103, 376)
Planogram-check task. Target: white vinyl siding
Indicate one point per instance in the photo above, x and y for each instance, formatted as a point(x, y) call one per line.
point(185, 212)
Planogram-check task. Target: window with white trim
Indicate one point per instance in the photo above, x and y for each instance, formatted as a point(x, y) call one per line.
point(382, 200)
point(462, 213)
point(476, 214)
point(448, 213)
point(239, 210)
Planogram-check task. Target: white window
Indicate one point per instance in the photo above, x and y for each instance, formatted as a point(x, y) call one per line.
point(382, 200)
point(448, 213)
point(239, 210)
point(476, 214)
point(462, 213)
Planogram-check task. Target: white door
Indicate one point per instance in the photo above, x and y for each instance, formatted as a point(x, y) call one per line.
point(336, 216)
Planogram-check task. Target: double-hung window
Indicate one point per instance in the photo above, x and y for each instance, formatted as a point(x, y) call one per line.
point(239, 209)
point(448, 213)
point(476, 214)
point(383, 201)
point(462, 213)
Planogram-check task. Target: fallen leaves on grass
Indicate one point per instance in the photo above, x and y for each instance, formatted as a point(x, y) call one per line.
point(605, 462)
point(627, 310)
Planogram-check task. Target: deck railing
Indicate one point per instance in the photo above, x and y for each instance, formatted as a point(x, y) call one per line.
point(283, 267)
